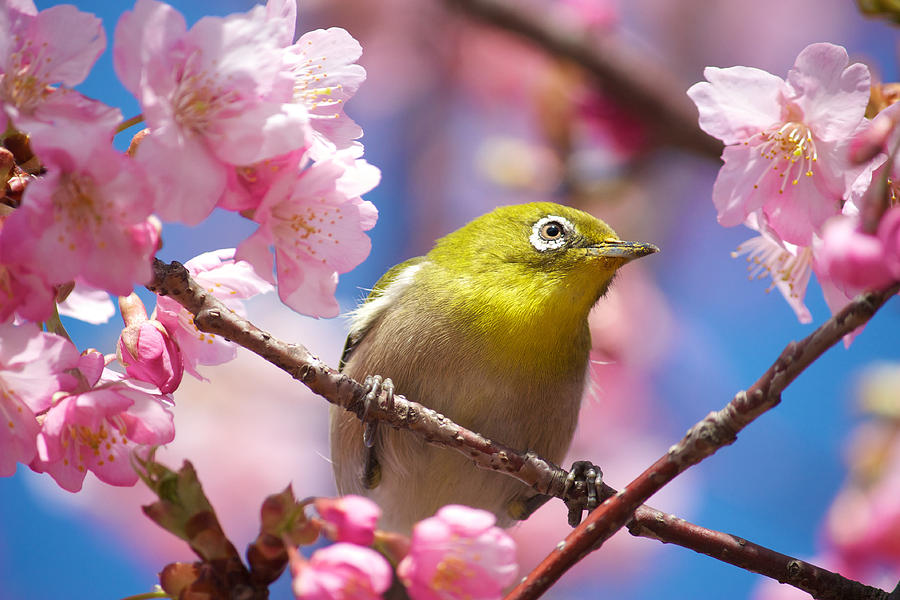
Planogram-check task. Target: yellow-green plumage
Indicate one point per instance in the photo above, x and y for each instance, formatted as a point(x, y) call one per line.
point(490, 329)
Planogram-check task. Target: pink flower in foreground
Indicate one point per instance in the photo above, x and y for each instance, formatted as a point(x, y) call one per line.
point(228, 280)
point(37, 49)
point(146, 349)
point(97, 426)
point(458, 554)
point(215, 97)
point(23, 292)
point(353, 518)
point(786, 141)
point(342, 572)
point(316, 221)
point(32, 365)
point(88, 217)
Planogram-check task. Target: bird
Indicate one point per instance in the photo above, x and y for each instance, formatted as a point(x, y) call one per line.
point(490, 329)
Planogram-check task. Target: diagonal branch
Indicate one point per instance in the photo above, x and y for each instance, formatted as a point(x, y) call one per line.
point(211, 316)
point(636, 81)
point(718, 429)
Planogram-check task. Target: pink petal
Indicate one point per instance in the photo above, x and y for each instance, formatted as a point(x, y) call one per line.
point(832, 95)
point(738, 102)
point(71, 41)
point(734, 193)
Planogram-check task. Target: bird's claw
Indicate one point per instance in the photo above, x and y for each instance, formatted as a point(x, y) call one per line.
point(375, 385)
point(592, 477)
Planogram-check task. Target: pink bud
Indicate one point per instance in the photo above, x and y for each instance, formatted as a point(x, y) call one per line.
point(341, 572)
point(853, 260)
point(352, 517)
point(149, 354)
point(457, 554)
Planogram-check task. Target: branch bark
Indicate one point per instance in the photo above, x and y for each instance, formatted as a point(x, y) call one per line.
point(718, 429)
point(641, 83)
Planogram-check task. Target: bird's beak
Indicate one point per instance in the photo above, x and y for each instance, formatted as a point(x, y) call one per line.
point(621, 249)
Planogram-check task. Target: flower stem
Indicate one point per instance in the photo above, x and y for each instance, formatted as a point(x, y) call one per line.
point(129, 122)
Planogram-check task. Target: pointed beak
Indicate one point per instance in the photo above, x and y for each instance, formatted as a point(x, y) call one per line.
point(621, 249)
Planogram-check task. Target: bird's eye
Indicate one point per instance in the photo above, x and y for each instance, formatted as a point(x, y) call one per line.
point(550, 233)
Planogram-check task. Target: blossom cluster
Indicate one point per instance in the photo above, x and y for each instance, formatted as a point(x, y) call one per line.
point(803, 167)
point(458, 553)
point(237, 116)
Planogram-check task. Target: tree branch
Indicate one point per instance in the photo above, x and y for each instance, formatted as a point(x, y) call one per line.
point(641, 83)
point(718, 429)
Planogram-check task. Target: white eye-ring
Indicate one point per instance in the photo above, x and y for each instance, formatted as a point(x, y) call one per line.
point(550, 232)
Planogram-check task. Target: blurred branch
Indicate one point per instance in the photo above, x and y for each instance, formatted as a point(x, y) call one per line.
point(817, 582)
point(718, 429)
point(637, 82)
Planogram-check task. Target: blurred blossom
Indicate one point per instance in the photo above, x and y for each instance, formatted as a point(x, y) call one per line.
point(353, 518)
point(458, 554)
point(341, 571)
point(855, 260)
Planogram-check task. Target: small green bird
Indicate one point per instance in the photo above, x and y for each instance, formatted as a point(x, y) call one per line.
point(490, 328)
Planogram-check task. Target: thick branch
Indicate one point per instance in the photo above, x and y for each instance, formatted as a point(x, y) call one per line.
point(211, 316)
point(703, 439)
point(640, 83)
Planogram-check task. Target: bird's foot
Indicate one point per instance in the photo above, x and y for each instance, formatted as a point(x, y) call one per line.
point(374, 385)
point(591, 477)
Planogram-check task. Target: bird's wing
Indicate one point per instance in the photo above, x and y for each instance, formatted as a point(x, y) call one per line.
point(386, 291)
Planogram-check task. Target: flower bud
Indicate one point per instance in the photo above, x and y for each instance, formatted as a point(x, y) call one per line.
point(352, 518)
point(146, 349)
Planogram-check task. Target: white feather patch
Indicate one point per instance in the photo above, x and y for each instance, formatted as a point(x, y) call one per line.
point(362, 317)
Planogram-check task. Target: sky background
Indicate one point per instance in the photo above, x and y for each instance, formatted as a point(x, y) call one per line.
point(773, 486)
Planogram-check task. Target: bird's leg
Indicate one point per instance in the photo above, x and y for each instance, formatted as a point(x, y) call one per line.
point(592, 477)
point(374, 385)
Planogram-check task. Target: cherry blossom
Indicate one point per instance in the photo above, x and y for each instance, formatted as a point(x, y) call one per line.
point(854, 260)
point(326, 75)
point(228, 280)
point(316, 221)
point(38, 49)
point(458, 554)
point(32, 369)
point(786, 141)
point(341, 572)
point(87, 218)
point(88, 304)
point(97, 425)
point(353, 518)
point(215, 97)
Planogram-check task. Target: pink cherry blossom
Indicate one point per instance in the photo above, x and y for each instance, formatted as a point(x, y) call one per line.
point(98, 425)
point(24, 292)
point(342, 571)
point(215, 97)
point(227, 279)
point(786, 141)
point(326, 75)
point(32, 369)
point(88, 304)
point(353, 518)
point(458, 554)
point(87, 218)
point(146, 349)
point(38, 49)
point(316, 221)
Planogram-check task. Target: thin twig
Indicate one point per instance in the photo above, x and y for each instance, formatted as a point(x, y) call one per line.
point(718, 429)
point(641, 83)
point(211, 316)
